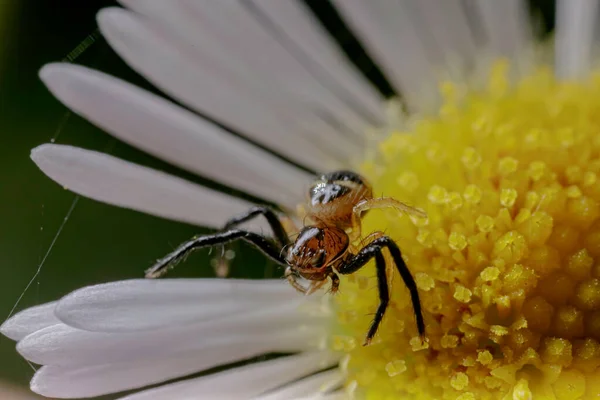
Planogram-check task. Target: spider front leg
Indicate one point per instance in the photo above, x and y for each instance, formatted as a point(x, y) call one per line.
point(293, 280)
point(275, 223)
point(279, 232)
point(262, 243)
point(314, 285)
point(374, 250)
point(381, 202)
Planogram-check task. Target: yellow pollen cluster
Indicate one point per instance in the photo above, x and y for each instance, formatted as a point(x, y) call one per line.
point(507, 262)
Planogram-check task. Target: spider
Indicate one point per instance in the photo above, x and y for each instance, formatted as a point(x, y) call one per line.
point(336, 203)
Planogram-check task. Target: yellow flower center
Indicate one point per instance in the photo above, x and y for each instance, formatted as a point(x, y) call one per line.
point(507, 263)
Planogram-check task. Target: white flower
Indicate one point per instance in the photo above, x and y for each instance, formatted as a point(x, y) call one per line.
point(269, 71)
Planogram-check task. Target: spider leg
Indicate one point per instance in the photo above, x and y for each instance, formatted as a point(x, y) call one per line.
point(335, 283)
point(384, 297)
point(293, 280)
point(305, 290)
point(315, 285)
point(275, 223)
point(374, 250)
point(277, 227)
point(262, 243)
point(381, 202)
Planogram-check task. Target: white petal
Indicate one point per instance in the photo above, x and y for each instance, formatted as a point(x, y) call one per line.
point(66, 346)
point(301, 27)
point(391, 38)
point(134, 305)
point(506, 26)
point(95, 380)
point(124, 184)
point(447, 25)
point(206, 66)
point(240, 383)
point(29, 320)
point(204, 86)
point(266, 58)
point(337, 395)
point(240, 29)
point(306, 387)
point(575, 28)
point(167, 131)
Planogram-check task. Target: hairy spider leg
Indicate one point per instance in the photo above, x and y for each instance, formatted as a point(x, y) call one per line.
point(389, 263)
point(374, 249)
point(381, 202)
point(279, 231)
point(268, 247)
point(384, 297)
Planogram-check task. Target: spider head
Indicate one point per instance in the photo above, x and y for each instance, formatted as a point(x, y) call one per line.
point(315, 250)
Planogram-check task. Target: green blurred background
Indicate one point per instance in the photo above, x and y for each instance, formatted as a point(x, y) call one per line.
point(99, 243)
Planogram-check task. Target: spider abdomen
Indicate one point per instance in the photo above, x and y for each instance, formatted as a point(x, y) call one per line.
point(333, 196)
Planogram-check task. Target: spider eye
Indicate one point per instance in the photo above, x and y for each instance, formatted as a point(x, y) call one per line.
point(318, 259)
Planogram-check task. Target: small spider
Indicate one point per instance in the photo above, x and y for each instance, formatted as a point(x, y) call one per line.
point(326, 247)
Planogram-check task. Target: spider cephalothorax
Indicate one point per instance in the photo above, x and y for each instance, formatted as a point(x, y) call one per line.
point(316, 252)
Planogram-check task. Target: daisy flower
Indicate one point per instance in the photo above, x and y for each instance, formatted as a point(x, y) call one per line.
point(500, 149)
